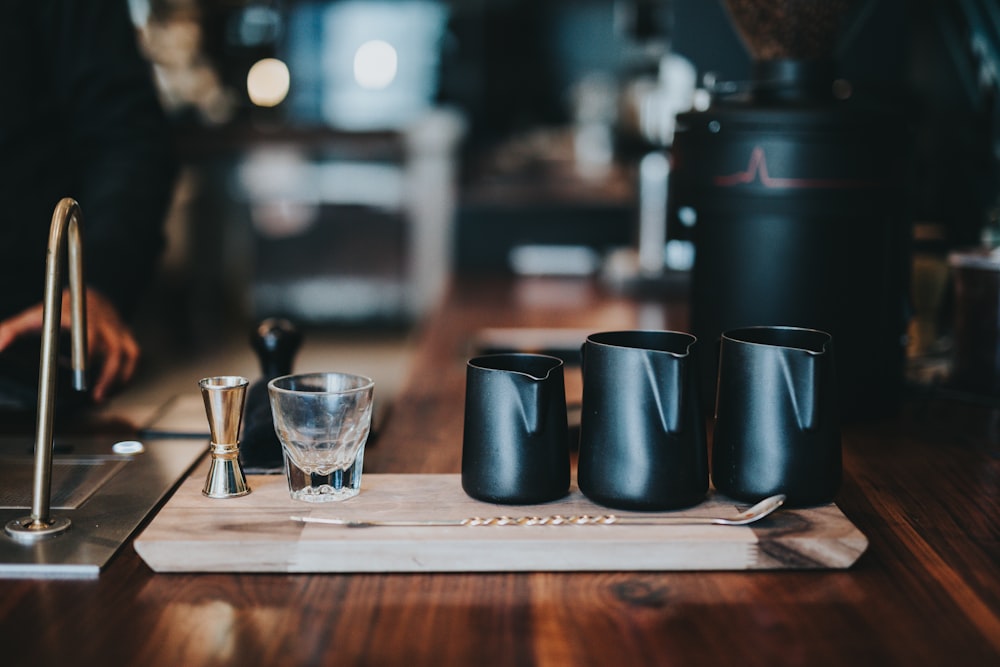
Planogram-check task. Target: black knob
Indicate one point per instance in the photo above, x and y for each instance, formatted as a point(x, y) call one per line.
point(276, 342)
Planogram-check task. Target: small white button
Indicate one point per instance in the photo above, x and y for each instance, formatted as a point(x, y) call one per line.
point(128, 447)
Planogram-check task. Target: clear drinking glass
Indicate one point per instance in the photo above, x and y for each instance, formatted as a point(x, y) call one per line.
point(322, 421)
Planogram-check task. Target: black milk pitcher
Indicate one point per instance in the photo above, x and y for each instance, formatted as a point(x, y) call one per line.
point(777, 427)
point(642, 431)
point(515, 445)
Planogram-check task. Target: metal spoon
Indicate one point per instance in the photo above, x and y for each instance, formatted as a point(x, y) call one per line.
point(755, 513)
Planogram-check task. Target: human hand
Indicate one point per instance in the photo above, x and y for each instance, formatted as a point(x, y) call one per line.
point(111, 348)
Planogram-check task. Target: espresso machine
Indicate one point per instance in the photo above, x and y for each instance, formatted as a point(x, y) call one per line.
point(797, 194)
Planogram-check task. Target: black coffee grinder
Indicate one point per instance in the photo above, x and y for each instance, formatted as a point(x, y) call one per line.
point(799, 205)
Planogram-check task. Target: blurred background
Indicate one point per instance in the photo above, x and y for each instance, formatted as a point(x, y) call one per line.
point(343, 158)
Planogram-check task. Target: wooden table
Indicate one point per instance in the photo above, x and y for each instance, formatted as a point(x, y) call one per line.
point(924, 486)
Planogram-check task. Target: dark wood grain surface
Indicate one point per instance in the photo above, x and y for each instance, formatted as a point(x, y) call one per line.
point(923, 486)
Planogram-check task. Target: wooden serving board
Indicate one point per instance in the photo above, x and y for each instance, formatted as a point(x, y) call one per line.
point(255, 533)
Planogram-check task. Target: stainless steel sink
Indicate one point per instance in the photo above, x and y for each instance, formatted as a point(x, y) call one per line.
point(105, 487)
point(102, 488)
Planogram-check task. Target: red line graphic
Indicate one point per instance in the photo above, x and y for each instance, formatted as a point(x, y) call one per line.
point(757, 170)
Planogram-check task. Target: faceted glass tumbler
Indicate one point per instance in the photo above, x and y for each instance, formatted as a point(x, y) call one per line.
point(323, 421)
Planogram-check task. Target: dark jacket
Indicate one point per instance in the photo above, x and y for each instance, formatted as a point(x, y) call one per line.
point(79, 117)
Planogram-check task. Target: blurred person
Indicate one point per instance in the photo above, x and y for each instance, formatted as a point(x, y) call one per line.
point(80, 118)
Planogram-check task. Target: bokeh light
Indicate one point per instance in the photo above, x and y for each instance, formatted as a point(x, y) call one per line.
point(375, 64)
point(267, 82)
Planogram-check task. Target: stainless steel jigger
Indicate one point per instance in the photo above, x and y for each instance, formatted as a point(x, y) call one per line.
point(224, 396)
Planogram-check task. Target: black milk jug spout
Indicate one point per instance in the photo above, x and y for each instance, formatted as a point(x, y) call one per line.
point(803, 374)
point(665, 372)
point(532, 392)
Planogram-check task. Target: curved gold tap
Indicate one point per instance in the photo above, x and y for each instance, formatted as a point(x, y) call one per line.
point(66, 222)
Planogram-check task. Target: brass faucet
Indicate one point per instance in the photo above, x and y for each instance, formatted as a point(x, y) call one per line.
point(66, 221)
